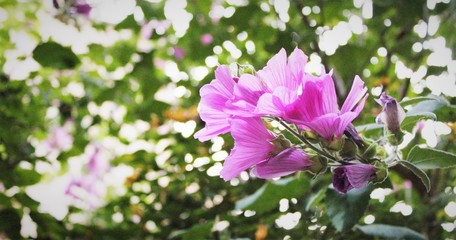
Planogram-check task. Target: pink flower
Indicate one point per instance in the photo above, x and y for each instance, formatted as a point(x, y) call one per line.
point(254, 146)
point(348, 177)
point(214, 97)
point(98, 163)
point(282, 80)
point(59, 139)
point(309, 101)
point(206, 39)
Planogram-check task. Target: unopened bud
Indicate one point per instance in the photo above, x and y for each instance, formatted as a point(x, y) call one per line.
point(281, 143)
point(350, 149)
point(335, 144)
point(381, 172)
point(312, 137)
point(392, 115)
point(369, 151)
point(319, 165)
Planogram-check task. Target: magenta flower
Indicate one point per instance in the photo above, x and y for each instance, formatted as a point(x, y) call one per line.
point(282, 80)
point(392, 115)
point(348, 177)
point(317, 108)
point(254, 147)
point(214, 97)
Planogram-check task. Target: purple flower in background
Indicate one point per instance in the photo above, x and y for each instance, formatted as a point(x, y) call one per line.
point(178, 53)
point(214, 97)
point(392, 114)
point(206, 39)
point(348, 177)
point(98, 164)
point(83, 8)
point(85, 184)
point(254, 146)
point(59, 139)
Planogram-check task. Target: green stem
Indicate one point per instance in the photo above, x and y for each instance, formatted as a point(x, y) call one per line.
point(304, 140)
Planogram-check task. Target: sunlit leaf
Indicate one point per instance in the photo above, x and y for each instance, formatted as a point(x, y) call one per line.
point(429, 158)
point(411, 119)
point(418, 172)
point(54, 55)
point(345, 210)
point(388, 231)
point(268, 197)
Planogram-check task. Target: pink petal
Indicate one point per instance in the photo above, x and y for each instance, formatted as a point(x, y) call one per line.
point(355, 96)
point(252, 146)
point(275, 104)
point(286, 162)
point(297, 63)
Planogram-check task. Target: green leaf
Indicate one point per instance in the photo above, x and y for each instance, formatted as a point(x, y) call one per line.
point(411, 101)
point(345, 210)
point(428, 105)
point(388, 231)
point(418, 172)
point(428, 158)
point(54, 55)
point(369, 127)
point(269, 195)
point(198, 231)
point(411, 119)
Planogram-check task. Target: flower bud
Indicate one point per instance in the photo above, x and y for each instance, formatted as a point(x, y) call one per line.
point(392, 114)
point(335, 144)
point(369, 150)
point(350, 149)
point(312, 137)
point(319, 165)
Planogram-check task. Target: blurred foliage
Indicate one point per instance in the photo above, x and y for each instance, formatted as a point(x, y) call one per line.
point(105, 89)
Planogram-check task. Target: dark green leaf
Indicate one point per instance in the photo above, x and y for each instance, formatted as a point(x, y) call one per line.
point(54, 55)
point(418, 172)
point(411, 119)
point(269, 195)
point(411, 101)
point(369, 127)
point(198, 231)
point(388, 231)
point(345, 210)
point(428, 158)
point(428, 105)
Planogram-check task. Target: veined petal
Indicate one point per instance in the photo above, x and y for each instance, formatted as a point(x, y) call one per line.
point(329, 101)
point(355, 96)
point(297, 63)
point(276, 103)
point(252, 146)
point(211, 111)
point(326, 126)
point(358, 175)
point(224, 81)
point(275, 72)
point(286, 162)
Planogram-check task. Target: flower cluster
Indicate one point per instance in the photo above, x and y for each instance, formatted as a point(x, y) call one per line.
point(306, 105)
